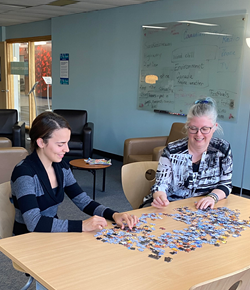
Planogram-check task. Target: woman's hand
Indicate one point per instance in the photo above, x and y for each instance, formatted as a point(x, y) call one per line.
point(122, 218)
point(205, 202)
point(94, 223)
point(160, 199)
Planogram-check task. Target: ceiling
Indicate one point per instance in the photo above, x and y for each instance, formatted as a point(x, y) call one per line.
point(14, 12)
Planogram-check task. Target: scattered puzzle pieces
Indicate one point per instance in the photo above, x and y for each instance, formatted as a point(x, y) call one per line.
point(210, 226)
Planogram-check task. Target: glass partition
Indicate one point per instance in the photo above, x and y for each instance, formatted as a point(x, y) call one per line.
point(30, 62)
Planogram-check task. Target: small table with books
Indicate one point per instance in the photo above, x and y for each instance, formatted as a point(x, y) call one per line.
point(91, 167)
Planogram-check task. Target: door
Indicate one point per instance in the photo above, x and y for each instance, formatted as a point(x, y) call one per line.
point(30, 61)
point(3, 77)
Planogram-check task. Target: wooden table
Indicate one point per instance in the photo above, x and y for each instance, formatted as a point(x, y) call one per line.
point(79, 261)
point(81, 164)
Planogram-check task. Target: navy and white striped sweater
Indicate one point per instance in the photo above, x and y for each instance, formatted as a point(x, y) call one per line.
point(36, 203)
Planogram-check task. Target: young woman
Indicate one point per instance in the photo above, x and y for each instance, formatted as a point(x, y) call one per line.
point(198, 165)
point(38, 184)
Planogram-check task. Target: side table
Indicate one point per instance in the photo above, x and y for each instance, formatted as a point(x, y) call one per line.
point(81, 164)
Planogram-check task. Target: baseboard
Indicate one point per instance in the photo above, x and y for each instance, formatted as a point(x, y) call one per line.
point(108, 155)
point(236, 190)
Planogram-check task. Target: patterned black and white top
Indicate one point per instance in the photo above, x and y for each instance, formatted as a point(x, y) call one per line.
point(176, 177)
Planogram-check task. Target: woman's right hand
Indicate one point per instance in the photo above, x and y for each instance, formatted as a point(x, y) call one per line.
point(94, 223)
point(160, 199)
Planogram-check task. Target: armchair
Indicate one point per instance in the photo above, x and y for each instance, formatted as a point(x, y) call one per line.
point(150, 148)
point(11, 128)
point(9, 157)
point(5, 142)
point(82, 132)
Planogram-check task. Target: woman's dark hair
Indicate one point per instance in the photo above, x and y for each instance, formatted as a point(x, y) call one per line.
point(44, 125)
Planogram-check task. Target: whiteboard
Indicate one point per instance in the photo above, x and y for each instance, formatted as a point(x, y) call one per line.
point(185, 61)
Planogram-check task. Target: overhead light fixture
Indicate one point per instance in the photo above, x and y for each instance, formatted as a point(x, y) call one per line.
point(62, 2)
point(197, 23)
point(215, 33)
point(154, 27)
point(248, 41)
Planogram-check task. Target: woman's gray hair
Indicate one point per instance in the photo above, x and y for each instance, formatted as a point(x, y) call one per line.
point(204, 107)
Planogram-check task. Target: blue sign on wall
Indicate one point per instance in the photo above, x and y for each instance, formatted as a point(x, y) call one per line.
point(64, 68)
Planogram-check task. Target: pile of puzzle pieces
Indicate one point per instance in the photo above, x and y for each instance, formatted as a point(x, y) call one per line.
point(211, 226)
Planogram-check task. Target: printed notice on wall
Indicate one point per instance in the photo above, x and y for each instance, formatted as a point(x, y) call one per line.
point(64, 68)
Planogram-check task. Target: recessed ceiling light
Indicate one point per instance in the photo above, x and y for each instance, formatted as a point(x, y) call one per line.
point(62, 2)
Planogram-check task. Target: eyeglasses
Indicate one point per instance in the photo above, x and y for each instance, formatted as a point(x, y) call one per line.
point(204, 130)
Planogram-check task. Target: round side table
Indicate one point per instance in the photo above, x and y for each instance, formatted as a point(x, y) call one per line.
point(81, 164)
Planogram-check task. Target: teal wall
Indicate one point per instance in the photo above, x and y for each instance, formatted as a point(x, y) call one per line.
point(104, 51)
point(2, 33)
point(39, 28)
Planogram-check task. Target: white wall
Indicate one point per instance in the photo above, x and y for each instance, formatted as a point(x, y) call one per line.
point(104, 50)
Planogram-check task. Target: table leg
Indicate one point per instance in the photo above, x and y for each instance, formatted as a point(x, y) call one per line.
point(103, 179)
point(93, 172)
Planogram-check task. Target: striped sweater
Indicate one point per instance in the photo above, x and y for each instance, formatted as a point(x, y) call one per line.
point(176, 177)
point(36, 203)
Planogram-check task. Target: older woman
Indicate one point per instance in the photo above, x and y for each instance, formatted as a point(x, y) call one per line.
point(198, 165)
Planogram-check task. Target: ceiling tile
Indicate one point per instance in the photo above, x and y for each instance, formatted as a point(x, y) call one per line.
point(26, 2)
point(4, 8)
point(84, 6)
point(36, 10)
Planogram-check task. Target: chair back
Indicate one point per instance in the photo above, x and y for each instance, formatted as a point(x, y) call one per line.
point(7, 211)
point(176, 132)
point(137, 179)
point(76, 119)
point(7, 217)
point(8, 118)
point(239, 280)
point(5, 142)
point(9, 158)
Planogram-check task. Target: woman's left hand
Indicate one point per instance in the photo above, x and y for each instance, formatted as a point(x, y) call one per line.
point(122, 218)
point(205, 202)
